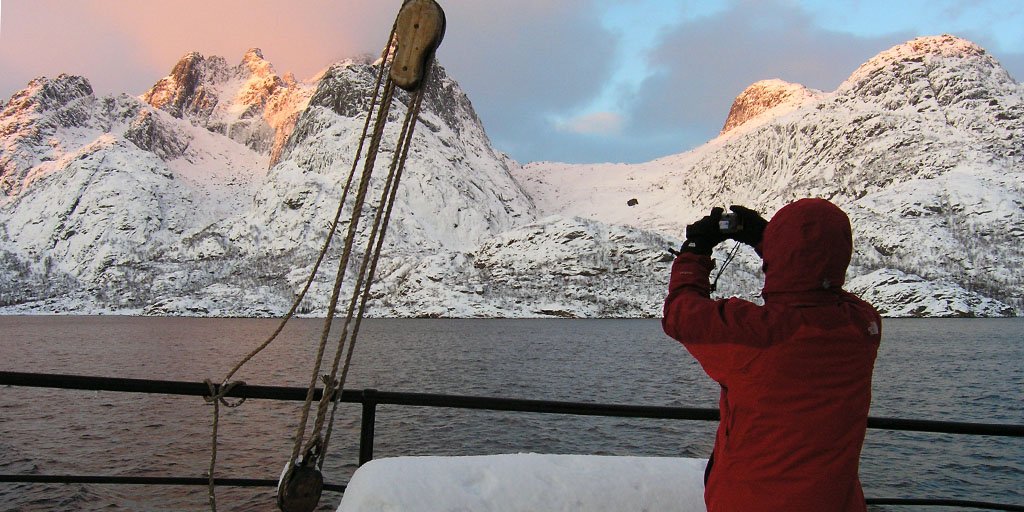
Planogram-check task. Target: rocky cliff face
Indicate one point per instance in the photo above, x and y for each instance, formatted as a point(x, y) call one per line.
point(211, 194)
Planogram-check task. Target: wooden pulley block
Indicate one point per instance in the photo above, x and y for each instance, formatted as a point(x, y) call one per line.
point(419, 30)
point(300, 491)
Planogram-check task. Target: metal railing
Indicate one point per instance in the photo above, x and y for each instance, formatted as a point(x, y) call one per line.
point(370, 399)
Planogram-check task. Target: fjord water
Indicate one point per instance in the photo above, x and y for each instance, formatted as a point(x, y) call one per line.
point(954, 370)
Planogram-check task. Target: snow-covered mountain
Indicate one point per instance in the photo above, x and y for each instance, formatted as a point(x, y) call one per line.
point(212, 193)
point(923, 146)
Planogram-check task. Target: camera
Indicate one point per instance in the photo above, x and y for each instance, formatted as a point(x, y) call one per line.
point(729, 224)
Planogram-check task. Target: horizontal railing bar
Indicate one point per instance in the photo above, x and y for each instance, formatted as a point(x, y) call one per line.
point(340, 488)
point(907, 502)
point(162, 387)
point(540, 406)
point(947, 427)
point(150, 480)
point(463, 402)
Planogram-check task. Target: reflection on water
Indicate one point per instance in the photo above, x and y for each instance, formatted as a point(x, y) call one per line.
point(965, 370)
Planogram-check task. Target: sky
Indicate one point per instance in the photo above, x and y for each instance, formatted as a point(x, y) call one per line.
point(579, 81)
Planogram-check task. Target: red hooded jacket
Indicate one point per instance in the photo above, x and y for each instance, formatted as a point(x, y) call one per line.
point(795, 373)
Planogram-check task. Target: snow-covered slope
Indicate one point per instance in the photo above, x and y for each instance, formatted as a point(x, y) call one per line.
point(213, 191)
point(211, 194)
point(91, 185)
point(923, 146)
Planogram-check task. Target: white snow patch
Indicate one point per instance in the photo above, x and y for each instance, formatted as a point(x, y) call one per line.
point(527, 482)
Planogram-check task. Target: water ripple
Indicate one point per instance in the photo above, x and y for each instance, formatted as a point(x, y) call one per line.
point(974, 372)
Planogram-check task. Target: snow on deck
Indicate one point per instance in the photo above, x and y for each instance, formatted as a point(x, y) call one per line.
point(527, 482)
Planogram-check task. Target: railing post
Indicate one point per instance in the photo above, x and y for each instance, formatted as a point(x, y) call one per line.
point(366, 429)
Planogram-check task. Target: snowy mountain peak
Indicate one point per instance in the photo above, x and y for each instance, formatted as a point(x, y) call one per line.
point(197, 84)
point(249, 103)
point(44, 94)
point(257, 71)
point(184, 90)
point(35, 123)
point(766, 96)
point(944, 45)
point(946, 69)
point(253, 59)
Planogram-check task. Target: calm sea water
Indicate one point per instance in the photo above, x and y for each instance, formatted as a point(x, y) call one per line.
point(962, 370)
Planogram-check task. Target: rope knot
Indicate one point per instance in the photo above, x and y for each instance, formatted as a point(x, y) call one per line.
point(220, 393)
point(330, 388)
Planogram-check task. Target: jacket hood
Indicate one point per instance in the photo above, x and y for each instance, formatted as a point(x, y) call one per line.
point(806, 247)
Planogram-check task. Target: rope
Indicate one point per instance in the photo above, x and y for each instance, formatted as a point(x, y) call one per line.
point(728, 260)
point(217, 400)
point(360, 293)
point(357, 207)
point(216, 397)
point(364, 278)
point(331, 232)
point(387, 202)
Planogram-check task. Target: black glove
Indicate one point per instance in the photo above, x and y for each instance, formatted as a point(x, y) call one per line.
point(702, 236)
point(752, 223)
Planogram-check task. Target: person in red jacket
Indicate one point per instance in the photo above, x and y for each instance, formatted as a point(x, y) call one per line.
point(795, 373)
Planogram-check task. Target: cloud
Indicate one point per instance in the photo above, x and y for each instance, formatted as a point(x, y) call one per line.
point(598, 123)
point(521, 62)
point(525, 64)
point(1014, 63)
point(127, 45)
point(998, 20)
point(703, 65)
point(302, 37)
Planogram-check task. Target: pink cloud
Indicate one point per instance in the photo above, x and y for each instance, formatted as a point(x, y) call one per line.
point(597, 123)
point(115, 42)
point(297, 36)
